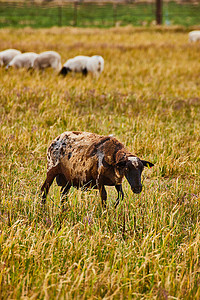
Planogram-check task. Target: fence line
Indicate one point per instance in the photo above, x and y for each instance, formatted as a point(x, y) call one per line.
point(86, 14)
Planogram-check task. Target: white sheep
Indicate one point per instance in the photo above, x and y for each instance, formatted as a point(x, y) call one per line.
point(76, 64)
point(194, 36)
point(48, 59)
point(84, 64)
point(24, 60)
point(7, 55)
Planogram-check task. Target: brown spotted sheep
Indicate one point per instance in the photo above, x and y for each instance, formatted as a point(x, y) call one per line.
point(89, 160)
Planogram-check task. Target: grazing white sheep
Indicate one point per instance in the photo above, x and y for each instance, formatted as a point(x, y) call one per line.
point(76, 64)
point(84, 64)
point(48, 59)
point(194, 36)
point(7, 55)
point(24, 60)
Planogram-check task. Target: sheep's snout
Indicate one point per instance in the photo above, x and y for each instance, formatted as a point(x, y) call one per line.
point(137, 189)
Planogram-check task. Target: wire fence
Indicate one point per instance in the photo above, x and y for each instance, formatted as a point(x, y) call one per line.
point(84, 14)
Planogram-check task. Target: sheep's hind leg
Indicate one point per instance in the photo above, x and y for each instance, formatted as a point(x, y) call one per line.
point(46, 186)
point(103, 195)
point(120, 194)
point(51, 174)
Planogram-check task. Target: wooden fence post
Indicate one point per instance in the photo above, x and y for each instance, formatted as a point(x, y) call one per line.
point(159, 12)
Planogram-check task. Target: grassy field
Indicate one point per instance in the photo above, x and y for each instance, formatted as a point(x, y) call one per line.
point(94, 15)
point(148, 96)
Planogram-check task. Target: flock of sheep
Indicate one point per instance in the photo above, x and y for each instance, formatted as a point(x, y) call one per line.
point(51, 59)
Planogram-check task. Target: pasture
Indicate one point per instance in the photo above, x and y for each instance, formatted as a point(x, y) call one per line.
point(148, 96)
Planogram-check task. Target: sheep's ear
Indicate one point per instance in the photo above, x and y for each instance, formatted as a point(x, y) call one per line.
point(147, 164)
point(121, 159)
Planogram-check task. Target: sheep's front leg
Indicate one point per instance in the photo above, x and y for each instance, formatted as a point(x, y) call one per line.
point(120, 194)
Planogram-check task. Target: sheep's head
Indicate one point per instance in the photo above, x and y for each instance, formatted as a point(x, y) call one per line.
point(64, 71)
point(131, 167)
point(134, 168)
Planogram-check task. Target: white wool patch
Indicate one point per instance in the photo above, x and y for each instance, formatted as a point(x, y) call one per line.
point(133, 158)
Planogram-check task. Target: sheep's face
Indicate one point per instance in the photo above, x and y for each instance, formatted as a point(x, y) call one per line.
point(133, 174)
point(135, 166)
point(64, 71)
point(131, 167)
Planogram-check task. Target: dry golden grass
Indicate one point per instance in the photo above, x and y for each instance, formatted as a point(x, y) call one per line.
point(148, 96)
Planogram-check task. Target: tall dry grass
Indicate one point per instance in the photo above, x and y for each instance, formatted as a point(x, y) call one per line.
point(148, 97)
